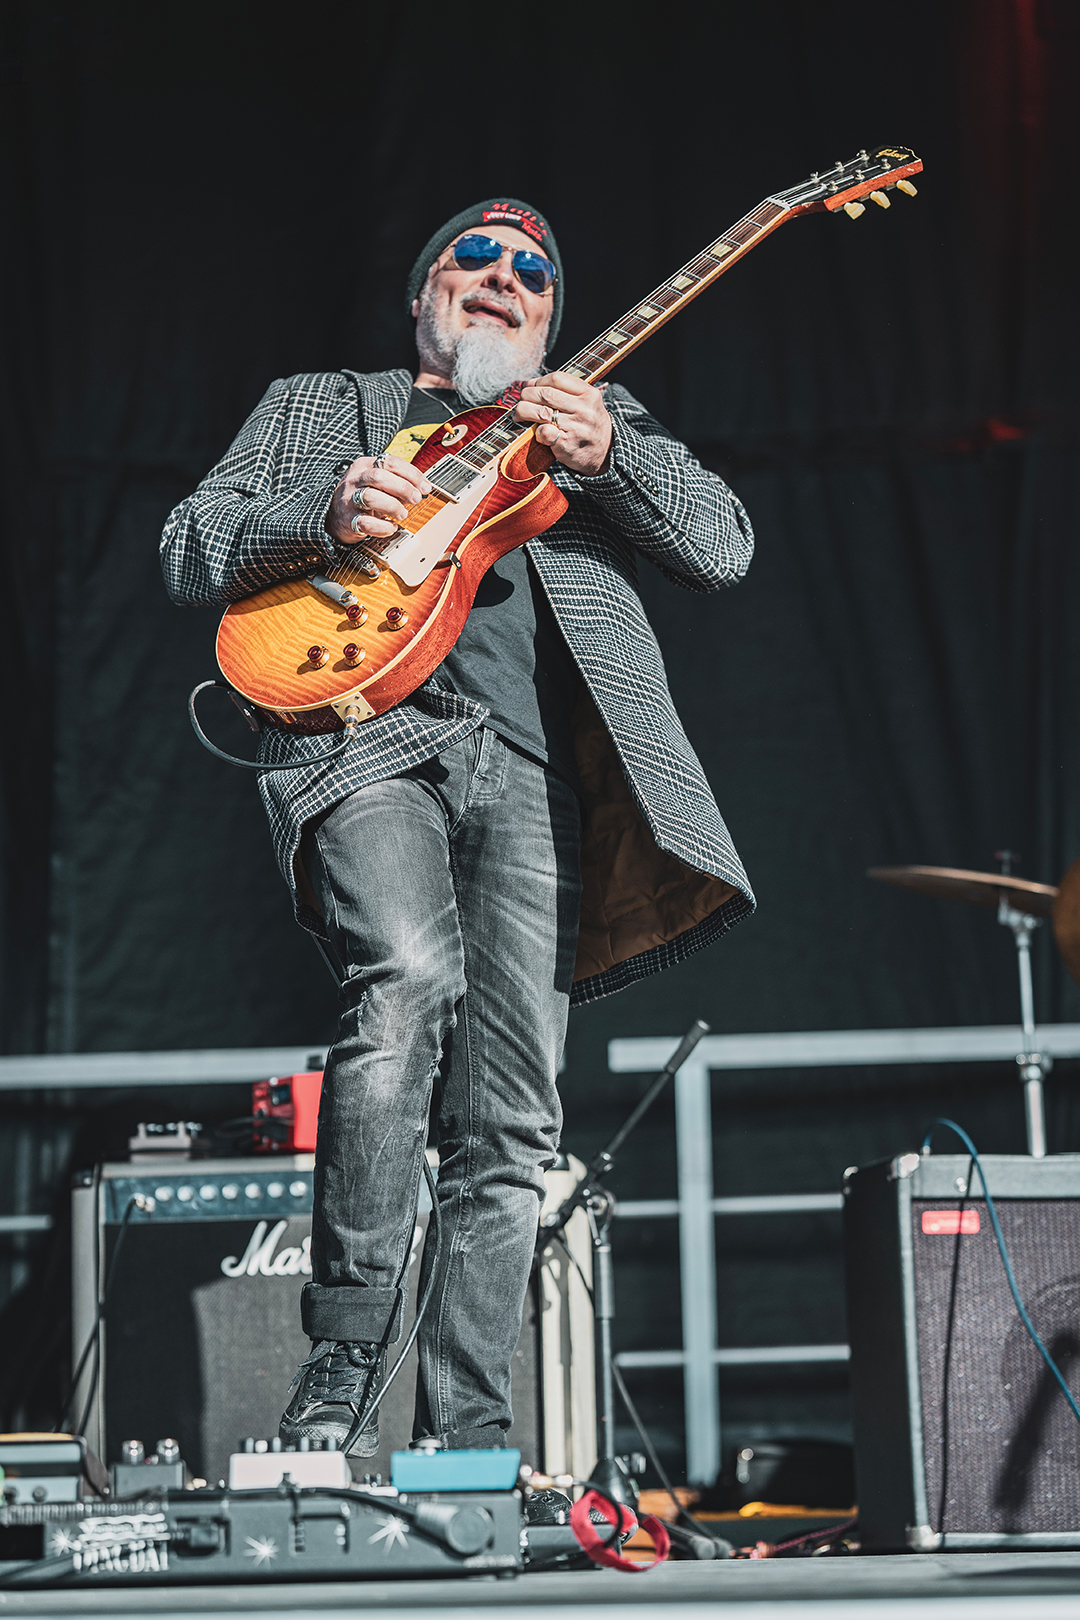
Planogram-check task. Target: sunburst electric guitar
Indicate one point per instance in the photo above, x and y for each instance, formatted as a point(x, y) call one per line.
point(328, 651)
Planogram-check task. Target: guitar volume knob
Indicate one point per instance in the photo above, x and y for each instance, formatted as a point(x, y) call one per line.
point(356, 615)
point(352, 654)
point(396, 618)
point(318, 656)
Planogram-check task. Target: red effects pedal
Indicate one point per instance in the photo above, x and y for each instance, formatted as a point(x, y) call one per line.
point(290, 1107)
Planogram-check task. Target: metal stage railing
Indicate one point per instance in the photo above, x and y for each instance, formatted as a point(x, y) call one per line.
point(696, 1208)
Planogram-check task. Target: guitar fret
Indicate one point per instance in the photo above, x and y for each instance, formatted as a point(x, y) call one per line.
point(705, 266)
point(744, 232)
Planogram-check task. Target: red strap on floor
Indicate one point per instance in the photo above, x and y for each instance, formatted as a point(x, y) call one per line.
point(593, 1543)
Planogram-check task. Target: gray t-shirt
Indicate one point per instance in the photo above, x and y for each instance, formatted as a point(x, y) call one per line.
point(511, 655)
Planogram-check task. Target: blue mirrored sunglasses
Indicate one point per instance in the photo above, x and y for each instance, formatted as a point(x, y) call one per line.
point(534, 272)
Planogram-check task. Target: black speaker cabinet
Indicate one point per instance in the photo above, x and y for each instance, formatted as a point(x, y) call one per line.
point(201, 1334)
point(963, 1438)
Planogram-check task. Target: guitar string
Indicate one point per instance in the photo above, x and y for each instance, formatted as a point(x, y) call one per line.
point(590, 360)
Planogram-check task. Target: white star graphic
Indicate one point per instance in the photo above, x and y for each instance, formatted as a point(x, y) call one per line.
point(393, 1533)
point(263, 1549)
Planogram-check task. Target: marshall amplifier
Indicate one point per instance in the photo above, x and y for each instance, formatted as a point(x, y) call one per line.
point(963, 1438)
point(201, 1332)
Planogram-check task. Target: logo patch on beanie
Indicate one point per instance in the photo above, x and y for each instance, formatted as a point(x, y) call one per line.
point(524, 219)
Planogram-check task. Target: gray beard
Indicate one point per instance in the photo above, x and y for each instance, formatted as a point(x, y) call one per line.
point(481, 361)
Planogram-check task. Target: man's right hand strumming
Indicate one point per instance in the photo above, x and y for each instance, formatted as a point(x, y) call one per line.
point(373, 498)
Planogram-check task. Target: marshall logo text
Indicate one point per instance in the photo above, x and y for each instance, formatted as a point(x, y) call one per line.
point(259, 1259)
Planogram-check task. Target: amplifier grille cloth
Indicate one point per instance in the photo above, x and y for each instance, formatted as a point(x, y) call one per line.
point(206, 1358)
point(1003, 1449)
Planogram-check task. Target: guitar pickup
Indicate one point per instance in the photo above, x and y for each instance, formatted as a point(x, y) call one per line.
point(333, 589)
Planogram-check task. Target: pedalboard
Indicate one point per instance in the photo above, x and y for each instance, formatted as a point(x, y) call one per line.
point(286, 1514)
point(291, 1533)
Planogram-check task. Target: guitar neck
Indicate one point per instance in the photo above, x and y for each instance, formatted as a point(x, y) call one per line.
point(843, 186)
point(601, 356)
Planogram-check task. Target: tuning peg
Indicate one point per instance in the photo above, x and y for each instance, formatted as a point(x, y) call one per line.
point(880, 198)
point(906, 185)
point(853, 210)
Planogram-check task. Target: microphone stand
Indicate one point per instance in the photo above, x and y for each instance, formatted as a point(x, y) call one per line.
point(599, 1207)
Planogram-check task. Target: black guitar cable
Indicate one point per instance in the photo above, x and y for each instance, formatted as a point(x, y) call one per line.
point(364, 1418)
point(93, 1342)
point(352, 721)
point(1010, 1276)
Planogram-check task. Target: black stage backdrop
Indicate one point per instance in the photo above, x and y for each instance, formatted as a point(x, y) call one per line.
point(202, 199)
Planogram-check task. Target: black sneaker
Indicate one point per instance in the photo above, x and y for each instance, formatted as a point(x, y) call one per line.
point(333, 1386)
point(547, 1507)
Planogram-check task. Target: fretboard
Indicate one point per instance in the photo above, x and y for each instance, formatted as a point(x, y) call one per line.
point(600, 357)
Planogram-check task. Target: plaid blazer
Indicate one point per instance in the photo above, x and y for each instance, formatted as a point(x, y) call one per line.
point(257, 517)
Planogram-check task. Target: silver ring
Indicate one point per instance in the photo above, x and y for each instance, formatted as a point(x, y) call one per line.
point(359, 496)
point(381, 460)
point(555, 418)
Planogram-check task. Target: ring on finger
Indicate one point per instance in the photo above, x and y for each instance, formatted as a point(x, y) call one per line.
point(555, 418)
point(381, 461)
point(355, 525)
point(359, 497)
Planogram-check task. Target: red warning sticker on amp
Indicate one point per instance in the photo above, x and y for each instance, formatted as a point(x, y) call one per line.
point(949, 1222)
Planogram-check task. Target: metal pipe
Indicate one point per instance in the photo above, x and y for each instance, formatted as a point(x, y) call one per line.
point(1027, 996)
point(1035, 1117)
point(604, 1307)
point(1032, 1064)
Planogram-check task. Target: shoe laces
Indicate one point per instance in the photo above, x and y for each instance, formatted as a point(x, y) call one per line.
point(338, 1373)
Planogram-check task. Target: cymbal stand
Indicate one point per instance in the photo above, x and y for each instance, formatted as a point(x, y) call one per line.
point(1033, 1065)
point(599, 1207)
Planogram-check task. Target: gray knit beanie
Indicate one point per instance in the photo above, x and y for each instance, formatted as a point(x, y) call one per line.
point(496, 211)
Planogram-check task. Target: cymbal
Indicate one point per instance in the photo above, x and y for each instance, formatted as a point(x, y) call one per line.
point(1067, 919)
point(978, 888)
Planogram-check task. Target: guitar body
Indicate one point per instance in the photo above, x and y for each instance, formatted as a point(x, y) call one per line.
point(264, 640)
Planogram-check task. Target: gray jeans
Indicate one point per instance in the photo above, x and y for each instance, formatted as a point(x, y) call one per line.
point(451, 895)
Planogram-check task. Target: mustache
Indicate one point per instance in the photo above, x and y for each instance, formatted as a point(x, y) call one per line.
point(500, 300)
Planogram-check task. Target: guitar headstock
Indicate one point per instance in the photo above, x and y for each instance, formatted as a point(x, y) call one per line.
point(868, 174)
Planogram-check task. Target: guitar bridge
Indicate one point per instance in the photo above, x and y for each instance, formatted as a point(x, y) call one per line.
point(367, 564)
point(333, 589)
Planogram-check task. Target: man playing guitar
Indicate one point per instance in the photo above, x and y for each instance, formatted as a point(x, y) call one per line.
point(530, 829)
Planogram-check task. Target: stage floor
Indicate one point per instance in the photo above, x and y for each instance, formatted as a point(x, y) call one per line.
point(999, 1586)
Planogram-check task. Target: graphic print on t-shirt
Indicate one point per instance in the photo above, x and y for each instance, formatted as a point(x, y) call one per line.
point(407, 441)
point(510, 656)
